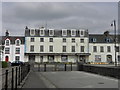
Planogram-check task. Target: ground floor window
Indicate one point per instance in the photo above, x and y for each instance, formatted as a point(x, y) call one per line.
point(17, 58)
point(109, 58)
point(97, 58)
point(51, 58)
point(64, 58)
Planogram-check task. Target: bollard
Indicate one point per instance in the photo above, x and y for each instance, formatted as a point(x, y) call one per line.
point(19, 77)
point(16, 79)
point(12, 80)
point(45, 67)
point(65, 67)
point(71, 66)
point(6, 80)
point(38, 67)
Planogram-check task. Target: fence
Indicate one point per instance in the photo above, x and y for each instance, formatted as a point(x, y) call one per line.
point(101, 70)
point(11, 79)
point(56, 67)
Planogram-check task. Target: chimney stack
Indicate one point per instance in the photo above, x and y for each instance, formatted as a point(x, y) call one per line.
point(6, 33)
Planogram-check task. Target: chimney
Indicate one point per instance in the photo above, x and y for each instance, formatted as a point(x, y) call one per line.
point(6, 33)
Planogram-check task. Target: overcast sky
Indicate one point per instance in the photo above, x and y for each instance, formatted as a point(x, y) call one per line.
point(96, 17)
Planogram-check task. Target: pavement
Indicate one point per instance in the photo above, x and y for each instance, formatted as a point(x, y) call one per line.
point(68, 79)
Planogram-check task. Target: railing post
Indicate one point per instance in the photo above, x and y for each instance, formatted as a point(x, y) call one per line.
point(71, 66)
point(16, 79)
point(45, 67)
point(6, 80)
point(19, 76)
point(65, 67)
point(39, 67)
point(12, 80)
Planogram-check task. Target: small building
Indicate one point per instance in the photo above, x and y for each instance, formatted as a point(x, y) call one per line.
point(13, 48)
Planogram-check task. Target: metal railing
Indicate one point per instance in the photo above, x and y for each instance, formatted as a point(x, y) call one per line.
point(11, 79)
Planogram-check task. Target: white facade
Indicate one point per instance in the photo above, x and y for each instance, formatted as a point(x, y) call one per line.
point(12, 54)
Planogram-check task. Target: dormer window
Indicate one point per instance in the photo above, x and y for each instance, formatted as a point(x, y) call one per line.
point(17, 42)
point(51, 32)
point(7, 42)
point(93, 39)
point(64, 32)
point(82, 32)
point(73, 32)
point(32, 32)
point(107, 40)
point(41, 32)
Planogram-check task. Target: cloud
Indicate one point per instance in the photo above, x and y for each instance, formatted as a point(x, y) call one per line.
point(96, 17)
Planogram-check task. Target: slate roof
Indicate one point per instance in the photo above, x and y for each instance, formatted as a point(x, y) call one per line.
point(100, 38)
point(57, 33)
point(12, 39)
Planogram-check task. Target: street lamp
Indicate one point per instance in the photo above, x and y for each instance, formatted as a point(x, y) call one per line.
point(114, 27)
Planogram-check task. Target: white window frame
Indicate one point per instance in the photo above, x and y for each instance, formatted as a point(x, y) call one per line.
point(82, 31)
point(43, 32)
point(8, 42)
point(52, 32)
point(64, 32)
point(31, 31)
point(73, 30)
point(16, 42)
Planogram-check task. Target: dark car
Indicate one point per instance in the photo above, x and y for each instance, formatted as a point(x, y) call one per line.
point(17, 63)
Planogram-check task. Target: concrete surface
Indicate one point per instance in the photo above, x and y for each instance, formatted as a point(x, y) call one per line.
point(77, 79)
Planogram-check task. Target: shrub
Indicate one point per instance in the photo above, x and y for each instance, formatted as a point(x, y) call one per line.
point(4, 64)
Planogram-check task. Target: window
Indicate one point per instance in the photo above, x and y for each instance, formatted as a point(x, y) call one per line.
point(18, 42)
point(50, 39)
point(82, 49)
point(41, 48)
point(64, 39)
point(50, 48)
point(94, 48)
point(108, 49)
point(32, 48)
point(93, 39)
point(7, 50)
point(73, 48)
point(82, 33)
point(7, 42)
point(97, 58)
point(51, 32)
point(51, 58)
point(64, 32)
point(64, 48)
point(117, 49)
point(32, 40)
point(107, 40)
point(64, 58)
point(17, 50)
point(82, 40)
point(73, 32)
point(17, 58)
point(101, 49)
point(41, 39)
point(41, 32)
point(32, 32)
point(73, 40)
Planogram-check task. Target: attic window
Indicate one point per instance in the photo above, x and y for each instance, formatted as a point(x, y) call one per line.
point(64, 32)
point(73, 32)
point(32, 32)
point(51, 32)
point(7, 42)
point(17, 42)
point(93, 39)
point(107, 40)
point(41, 32)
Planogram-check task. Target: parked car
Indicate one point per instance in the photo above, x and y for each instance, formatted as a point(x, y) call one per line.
point(17, 63)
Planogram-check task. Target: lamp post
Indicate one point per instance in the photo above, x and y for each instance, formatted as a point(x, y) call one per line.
point(114, 27)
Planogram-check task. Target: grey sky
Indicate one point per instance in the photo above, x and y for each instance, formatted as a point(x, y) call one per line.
point(96, 17)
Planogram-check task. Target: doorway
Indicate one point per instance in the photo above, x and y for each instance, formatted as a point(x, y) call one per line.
point(6, 58)
point(109, 58)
